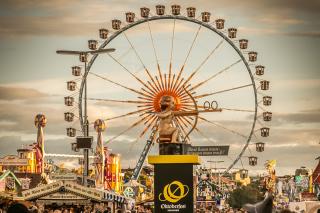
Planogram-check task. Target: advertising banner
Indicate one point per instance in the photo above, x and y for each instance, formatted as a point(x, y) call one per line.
point(208, 150)
point(41, 190)
point(62, 196)
point(69, 177)
point(85, 191)
point(13, 161)
point(173, 188)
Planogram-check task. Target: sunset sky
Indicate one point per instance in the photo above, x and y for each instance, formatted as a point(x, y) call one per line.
point(285, 33)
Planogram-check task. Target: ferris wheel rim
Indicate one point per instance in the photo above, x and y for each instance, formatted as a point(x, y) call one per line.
point(183, 18)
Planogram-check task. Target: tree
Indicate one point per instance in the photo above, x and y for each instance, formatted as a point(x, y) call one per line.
point(245, 194)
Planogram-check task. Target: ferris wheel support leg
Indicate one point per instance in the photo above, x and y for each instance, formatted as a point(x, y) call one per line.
point(143, 156)
point(86, 166)
point(86, 133)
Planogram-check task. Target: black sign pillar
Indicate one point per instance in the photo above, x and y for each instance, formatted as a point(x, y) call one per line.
point(173, 182)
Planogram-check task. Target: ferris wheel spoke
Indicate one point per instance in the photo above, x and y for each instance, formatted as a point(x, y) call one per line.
point(238, 110)
point(186, 58)
point(215, 75)
point(260, 123)
point(140, 136)
point(145, 105)
point(171, 53)
point(179, 123)
point(138, 56)
point(117, 101)
point(223, 127)
point(186, 120)
point(120, 85)
point(128, 71)
point(161, 78)
point(165, 82)
point(186, 101)
point(153, 46)
point(161, 86)
point(255, 136)
point(147, 92)
point(146, 99)
point(171, 86)
point(128, 114)
point(260, 107)
point(250, 150)
point(188, 108)
point(128, 129)
point(152, 121)
point(182, 121)
point(222, 91)
point(184, 96)
point(203, 62)
point(175, 88)
point(204, 136)
point(183, 87)
point(154, 85)
point(260, 93)
point(134, 143)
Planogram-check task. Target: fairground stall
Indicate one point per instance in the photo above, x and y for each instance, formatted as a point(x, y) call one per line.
point(68, 194)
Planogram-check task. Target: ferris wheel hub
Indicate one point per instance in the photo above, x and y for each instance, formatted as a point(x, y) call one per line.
point(159, 97)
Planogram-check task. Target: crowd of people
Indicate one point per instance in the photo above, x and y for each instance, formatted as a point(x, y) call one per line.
point(21, 207)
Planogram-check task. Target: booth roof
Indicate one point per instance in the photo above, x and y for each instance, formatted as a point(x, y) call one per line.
point(9, 173)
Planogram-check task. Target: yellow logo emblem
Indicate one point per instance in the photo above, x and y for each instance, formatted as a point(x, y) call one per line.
point(173, 192)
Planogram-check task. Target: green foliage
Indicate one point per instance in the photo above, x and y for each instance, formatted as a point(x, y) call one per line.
point(245, 194)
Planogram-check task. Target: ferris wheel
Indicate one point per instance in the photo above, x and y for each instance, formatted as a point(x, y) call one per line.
point(192, 57)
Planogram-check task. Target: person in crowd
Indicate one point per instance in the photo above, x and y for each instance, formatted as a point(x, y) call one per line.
point(286, 211)
point(264, 206)
point(17, 207)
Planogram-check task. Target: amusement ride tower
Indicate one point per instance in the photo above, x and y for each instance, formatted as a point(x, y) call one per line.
point(99, 160)
point(40, 122)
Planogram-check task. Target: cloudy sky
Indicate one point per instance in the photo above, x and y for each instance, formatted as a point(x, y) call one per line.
point(285, 33)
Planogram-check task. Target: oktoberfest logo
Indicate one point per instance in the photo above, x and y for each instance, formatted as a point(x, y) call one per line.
point(173, 192)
